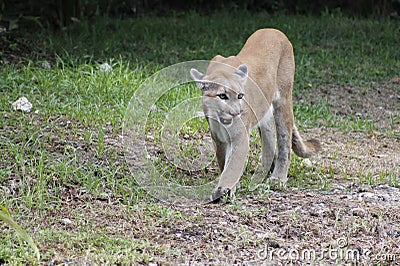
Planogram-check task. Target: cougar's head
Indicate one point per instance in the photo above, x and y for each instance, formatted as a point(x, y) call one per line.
point(223, 88)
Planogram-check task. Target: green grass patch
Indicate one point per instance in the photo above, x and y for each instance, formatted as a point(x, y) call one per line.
point(330, 49)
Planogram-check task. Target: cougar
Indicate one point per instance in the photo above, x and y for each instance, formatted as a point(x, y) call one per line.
point(252, 89)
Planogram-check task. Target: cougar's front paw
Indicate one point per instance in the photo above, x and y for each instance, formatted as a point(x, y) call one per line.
point(218, 194)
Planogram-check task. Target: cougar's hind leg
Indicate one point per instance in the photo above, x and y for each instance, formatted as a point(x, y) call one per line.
point(284, 125)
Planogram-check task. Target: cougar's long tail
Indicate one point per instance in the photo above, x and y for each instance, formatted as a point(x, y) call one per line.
point(306, 148)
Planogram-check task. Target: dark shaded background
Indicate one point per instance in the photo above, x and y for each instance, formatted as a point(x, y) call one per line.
point(58, 14)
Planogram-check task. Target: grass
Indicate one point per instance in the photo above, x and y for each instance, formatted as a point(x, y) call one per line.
point(69, 148)
point(5, 217)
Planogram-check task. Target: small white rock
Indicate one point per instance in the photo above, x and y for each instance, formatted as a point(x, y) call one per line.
point(66, 221)
point(105, 67)
point(46, 65)
point(307, 163)
point(22, 104)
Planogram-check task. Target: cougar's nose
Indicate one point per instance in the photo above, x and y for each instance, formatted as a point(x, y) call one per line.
point(234, 112)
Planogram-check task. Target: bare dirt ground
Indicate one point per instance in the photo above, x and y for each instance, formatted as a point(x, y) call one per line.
point(356, 221)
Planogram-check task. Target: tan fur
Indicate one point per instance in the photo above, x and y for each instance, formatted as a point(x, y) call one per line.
point(263, 72)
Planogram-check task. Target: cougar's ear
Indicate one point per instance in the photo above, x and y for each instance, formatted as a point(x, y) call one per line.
point(242, 72)
point(197, 76)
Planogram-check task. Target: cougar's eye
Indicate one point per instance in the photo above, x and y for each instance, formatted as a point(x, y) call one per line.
point(240, 96)
point(223, 96)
